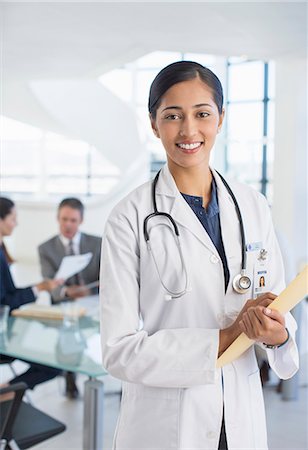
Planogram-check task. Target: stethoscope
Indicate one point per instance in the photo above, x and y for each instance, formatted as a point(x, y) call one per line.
point(241, 282)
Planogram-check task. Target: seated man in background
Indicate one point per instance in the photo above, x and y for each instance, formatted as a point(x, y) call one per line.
point(70, 241)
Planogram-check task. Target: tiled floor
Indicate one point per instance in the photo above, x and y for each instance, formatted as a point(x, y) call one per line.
point(287, 420)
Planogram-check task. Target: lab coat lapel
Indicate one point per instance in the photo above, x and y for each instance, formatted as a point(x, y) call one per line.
point(229, 223)
point(179, 208)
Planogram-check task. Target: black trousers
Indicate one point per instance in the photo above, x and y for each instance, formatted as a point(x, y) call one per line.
point(36, 374)
point(223, 439)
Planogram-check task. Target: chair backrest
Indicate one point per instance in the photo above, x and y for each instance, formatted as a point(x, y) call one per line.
point(9, 409)
point(28, 425)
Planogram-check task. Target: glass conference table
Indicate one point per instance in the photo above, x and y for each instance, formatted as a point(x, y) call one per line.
point(68, 345)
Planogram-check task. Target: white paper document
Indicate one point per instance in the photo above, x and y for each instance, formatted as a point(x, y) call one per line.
point(70, 265)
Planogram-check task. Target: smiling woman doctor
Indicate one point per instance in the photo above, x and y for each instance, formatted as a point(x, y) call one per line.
point(183, 254)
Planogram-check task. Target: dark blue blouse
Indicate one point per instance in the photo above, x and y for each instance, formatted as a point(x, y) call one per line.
point(210, 220)
point(9, 293)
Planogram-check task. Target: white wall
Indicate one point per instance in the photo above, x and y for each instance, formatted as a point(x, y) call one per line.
point(290, 165)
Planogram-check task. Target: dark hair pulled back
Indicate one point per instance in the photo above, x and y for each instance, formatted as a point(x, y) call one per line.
point(6, 206)
point(183, 71)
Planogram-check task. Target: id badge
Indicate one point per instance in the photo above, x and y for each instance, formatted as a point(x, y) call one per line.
point(260, 275)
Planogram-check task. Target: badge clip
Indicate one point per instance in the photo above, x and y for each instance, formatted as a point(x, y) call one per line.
point(263, 255)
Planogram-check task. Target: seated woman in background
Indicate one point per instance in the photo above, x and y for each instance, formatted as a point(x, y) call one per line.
point(14, 297)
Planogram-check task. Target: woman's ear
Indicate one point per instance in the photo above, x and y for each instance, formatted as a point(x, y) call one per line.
point(221, 119)
point(153, 125)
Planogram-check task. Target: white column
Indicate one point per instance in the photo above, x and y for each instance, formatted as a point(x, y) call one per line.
point(290, 166)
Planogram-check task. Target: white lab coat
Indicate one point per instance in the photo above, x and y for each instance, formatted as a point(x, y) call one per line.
point(173, 396)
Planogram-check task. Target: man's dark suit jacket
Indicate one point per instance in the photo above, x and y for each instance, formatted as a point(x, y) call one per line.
point(52, 252)
point(9, 293)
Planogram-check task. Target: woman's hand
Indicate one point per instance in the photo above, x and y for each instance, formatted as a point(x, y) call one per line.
point(228, 335)
point(49, 285)
point(76, 291)
point(263, 300)
point(263, 324)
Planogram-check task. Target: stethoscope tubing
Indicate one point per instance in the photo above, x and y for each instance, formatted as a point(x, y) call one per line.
point(157, 213)
point(239, 215)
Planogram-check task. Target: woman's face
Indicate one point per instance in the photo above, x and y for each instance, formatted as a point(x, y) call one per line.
point(187, 122)
point(8, 224)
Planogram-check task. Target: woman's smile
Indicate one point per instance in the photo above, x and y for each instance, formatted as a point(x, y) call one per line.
point(189, 147)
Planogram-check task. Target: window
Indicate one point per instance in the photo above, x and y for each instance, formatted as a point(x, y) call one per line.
point(250, 123)
point(45, 164)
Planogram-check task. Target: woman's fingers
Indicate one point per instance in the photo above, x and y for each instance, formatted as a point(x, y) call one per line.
point(252, 323)
point(263, 325)
point(274, 315)
point(265, 299)
point(242, 326)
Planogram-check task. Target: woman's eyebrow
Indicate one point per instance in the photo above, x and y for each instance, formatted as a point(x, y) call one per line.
point(202, 104)
point(171, 107)
point(199, 105)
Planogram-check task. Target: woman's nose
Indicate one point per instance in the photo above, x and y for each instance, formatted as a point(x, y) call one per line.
point(188, 128)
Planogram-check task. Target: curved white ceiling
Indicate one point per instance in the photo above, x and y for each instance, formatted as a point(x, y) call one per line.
point(82, 40)
point(90, 112)
point(46, 43)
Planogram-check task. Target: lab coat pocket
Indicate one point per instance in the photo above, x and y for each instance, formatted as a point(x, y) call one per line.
point(257, 410)
point(149, 418)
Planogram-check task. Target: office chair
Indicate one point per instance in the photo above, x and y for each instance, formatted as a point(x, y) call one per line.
point(5, 359)
point(22, 425)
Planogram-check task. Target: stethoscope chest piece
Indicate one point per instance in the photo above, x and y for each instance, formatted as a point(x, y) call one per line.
point(241, 283)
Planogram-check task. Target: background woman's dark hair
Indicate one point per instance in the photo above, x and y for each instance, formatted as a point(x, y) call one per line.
point(6, 206)
point(183, 71)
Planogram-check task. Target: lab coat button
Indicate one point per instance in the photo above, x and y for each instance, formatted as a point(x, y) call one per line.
point(214, 259)
point(211, 434)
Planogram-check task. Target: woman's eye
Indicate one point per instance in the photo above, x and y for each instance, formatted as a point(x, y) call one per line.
point(203, 114)
point(172, 117)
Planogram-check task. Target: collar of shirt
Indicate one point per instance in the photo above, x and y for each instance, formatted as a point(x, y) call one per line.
point(196, 201)
point(76, 242)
